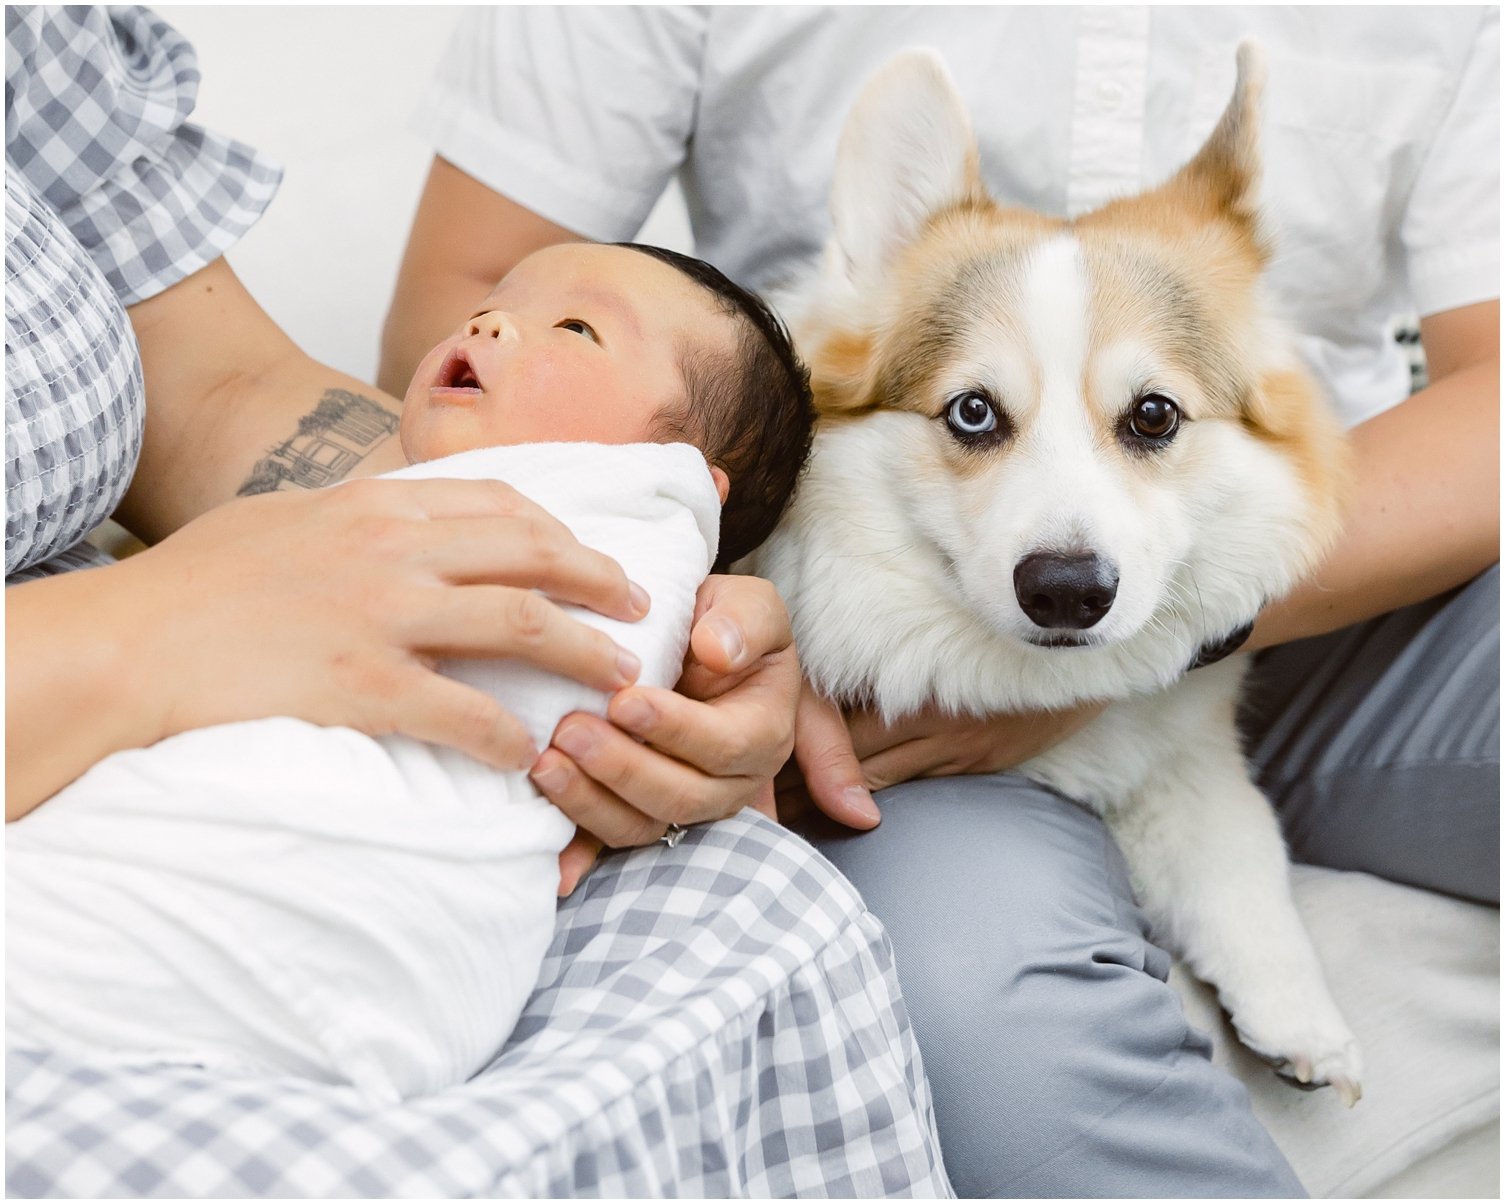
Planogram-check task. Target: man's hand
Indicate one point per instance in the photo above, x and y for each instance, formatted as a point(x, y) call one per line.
point(842, 759)
point(697, 753)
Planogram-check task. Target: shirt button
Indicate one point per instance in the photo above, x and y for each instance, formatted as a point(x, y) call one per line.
point(1111, 93)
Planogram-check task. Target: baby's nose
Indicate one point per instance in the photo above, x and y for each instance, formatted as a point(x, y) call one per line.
point(494, 324)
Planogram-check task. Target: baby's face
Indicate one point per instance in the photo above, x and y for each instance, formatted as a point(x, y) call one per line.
point(578, 343)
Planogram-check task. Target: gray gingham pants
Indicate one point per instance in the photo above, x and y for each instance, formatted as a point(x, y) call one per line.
point(1060, 1060)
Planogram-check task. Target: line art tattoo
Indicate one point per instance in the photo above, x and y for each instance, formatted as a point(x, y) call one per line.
point(340, 432)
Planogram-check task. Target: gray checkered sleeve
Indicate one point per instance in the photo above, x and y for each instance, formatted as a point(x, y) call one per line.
point(96, 105)
point(110, 197)
point(73, 413)
point(717, 1020)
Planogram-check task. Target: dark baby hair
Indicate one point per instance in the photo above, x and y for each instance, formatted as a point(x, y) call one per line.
point(750, 412)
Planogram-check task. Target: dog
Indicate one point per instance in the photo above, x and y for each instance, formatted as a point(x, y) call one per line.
point(1065, 460)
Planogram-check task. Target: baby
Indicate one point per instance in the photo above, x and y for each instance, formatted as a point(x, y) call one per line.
point(276, 897)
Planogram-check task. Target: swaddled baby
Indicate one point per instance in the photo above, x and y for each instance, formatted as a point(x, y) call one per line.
point(278, 897)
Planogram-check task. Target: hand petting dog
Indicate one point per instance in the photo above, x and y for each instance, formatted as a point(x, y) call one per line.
point(840, 759)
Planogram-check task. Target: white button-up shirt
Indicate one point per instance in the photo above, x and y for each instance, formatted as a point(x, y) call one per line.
point(1380, 136)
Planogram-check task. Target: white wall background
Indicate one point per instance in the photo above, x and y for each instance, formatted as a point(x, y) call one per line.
point(328, 92)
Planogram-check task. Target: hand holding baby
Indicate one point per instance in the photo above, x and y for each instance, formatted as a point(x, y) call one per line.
point(373, 581)
point(698, 753)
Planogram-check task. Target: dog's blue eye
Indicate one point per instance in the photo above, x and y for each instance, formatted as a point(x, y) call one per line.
point(1154, 416)
point(971, 414)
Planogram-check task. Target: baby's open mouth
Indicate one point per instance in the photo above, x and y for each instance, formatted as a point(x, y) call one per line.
point(456, 375)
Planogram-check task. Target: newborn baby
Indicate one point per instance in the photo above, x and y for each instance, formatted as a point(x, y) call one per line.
point(277, 897)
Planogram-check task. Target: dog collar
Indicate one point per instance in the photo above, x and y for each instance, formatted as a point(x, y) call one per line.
point(1215, 650)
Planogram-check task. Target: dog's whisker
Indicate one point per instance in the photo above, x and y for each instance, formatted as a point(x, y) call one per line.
point(888, 554)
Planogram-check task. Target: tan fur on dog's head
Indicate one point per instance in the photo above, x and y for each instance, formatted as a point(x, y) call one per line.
point(937, 310)
point(1184, 258)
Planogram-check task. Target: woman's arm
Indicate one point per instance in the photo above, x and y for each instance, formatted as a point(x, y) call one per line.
point(224, 387)
point(72, 692)
point(1424, 519)
point(330, 606)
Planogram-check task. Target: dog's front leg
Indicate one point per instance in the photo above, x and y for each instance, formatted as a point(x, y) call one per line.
point(1208, 862)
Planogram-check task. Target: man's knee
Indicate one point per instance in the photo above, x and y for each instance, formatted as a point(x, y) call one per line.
point(1040, 1004)
point(997, 873)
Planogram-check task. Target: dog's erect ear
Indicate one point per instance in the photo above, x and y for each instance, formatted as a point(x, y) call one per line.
point(1224, 174)
point(907, 151)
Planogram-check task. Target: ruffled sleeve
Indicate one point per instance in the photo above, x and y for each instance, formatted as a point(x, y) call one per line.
point(97, 101)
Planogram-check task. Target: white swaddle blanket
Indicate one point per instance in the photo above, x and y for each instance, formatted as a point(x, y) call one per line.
point(276, 897)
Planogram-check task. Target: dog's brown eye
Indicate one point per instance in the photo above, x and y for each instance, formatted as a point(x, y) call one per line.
point(1154, 417)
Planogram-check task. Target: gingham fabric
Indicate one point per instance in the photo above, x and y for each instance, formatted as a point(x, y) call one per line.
point(110, 197)
point(73, 409)
point(97, 101)
point(716, 1020)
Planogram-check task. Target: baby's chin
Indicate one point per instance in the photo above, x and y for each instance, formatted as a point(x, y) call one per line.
point(422, 442)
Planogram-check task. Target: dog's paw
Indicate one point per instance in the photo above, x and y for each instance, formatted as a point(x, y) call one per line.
point(1339, 1071)
point(1311, 1049)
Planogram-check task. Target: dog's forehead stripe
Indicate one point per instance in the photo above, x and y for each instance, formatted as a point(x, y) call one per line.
point(1017, 314)
point(1055, 311)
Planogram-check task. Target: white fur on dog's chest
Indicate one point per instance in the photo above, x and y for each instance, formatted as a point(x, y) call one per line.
point(1140, 740)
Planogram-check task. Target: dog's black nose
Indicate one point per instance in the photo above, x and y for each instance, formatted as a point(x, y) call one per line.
point(1056, 590)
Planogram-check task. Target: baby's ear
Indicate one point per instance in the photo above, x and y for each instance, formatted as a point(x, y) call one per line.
point(723, 483)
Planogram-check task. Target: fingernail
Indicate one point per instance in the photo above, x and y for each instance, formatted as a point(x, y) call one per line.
point(628, 665)
point(858, 798)
point(638, 596)
point(633, 713)
point(730, 638)
point(577, 740)
point(551, 778)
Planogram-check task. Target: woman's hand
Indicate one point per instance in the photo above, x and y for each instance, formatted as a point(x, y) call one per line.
point(698, 753)
point(330, 606)
point(844, 758)
point(338, 604)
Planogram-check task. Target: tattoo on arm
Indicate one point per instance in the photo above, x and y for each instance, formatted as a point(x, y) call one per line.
point(331, 440)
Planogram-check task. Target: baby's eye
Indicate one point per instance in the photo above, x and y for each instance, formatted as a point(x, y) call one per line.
point(579, 327)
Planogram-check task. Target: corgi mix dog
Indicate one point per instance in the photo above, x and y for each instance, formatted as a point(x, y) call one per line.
point(1061, 460)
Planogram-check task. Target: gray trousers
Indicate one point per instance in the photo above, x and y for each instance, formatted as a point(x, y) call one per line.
point(1061, 1061)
